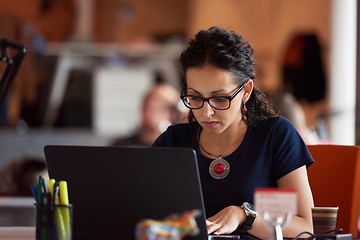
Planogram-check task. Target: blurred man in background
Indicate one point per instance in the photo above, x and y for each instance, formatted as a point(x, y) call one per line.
point(159, 110)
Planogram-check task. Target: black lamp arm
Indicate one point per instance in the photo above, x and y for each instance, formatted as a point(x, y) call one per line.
point(12, 53)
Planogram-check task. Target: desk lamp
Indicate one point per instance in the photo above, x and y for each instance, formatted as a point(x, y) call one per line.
point(12, 53)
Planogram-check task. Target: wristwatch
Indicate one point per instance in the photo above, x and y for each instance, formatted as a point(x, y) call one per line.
point(251, 214)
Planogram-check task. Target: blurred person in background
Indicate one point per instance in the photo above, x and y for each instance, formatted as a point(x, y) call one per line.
point(159, 110)
point(304, 87)
point(17, 175)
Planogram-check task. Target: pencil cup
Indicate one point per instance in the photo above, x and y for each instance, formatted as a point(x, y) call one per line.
point(54, 222)
point(324, 219)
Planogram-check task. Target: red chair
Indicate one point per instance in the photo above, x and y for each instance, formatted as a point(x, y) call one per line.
point(335, 181)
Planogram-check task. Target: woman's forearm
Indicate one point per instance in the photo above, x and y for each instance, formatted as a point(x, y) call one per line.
point(296, 226)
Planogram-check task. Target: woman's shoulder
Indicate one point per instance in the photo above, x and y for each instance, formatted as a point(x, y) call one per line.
point(279, 131)
point(277, 121)
point(275, 127)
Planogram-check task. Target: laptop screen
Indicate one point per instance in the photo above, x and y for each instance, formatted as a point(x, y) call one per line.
point(113, 188)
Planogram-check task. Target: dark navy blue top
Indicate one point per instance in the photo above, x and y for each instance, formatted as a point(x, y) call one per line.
point(268, 152)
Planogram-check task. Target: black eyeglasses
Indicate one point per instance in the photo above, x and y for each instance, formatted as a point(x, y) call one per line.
point(216, 102)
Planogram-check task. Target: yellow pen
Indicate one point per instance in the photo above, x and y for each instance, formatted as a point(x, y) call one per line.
point(60, 224)
point(64, 200)
point(64, 197)
point(51, 184)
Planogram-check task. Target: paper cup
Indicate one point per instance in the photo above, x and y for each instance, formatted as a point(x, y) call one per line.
point(324, 219)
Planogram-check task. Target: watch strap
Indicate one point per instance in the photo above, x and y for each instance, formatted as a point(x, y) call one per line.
point(247, 224)
point(250, 217)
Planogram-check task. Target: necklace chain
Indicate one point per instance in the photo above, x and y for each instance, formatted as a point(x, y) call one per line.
point(219, 168)
point(213, 155)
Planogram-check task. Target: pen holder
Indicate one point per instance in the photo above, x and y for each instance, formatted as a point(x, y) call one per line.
point(54, 222)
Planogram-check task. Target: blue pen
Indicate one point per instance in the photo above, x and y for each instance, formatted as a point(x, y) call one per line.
point(33, 191)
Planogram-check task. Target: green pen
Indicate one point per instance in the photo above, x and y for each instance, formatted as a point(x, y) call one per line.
point(41, 229)
point(39, 198)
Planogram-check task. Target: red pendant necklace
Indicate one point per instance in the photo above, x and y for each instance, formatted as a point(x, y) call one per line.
point(219, 168)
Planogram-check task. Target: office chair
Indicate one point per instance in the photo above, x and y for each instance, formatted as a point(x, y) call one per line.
point(335, 181)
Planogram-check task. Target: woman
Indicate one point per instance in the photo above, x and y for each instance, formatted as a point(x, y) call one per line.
point(240, 142)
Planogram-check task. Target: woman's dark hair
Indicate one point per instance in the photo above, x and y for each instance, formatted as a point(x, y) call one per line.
point(227, 50)
point(304, 75)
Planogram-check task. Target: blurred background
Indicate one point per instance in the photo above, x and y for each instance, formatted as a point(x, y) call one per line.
point(91, 63)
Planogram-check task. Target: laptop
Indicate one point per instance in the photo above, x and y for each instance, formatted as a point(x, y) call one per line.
point(113, 188)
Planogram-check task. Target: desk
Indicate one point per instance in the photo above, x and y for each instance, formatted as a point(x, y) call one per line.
point(17, 211)
point(18, 233)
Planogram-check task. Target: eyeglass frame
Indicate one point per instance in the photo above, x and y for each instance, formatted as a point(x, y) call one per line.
point(230, 98)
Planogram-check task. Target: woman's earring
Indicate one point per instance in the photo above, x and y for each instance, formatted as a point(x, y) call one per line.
point(244, 109)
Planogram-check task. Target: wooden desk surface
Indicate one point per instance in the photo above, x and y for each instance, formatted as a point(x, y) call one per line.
point(18, 233)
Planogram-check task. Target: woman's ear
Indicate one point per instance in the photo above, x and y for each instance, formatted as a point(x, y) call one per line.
point(248, 87)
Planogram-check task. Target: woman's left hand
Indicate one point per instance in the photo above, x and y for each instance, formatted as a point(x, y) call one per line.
point(226, 221)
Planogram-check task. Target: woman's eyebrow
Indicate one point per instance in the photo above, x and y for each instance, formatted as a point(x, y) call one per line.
point(213, 92)
point(218, 91)
point(194, 91)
